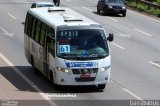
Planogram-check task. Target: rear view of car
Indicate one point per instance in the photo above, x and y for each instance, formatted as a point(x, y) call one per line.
point(42, 4)
point(112, 7)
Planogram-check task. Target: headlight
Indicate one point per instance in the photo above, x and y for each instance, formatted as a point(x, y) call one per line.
point(123, 7)
point(63, 69)
point(110, 6)
point(104, 68)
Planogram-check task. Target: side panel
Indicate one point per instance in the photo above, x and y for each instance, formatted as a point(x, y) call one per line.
point(38, 56)
point(27, 47)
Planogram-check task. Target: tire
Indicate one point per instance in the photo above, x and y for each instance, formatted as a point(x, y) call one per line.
point(101, 86)
point(52, 80)
point(98, 11)
point(124, 14)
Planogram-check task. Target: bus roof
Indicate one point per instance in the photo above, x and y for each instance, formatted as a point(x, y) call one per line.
point(57, 16)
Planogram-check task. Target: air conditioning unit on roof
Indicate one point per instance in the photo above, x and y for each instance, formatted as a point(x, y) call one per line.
point(54, 9)
point(68, 18)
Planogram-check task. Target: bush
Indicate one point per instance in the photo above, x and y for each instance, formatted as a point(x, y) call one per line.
point(156, 12)
point(143, 8)
point(158, 2)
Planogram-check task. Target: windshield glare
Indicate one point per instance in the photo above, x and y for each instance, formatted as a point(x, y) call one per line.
point(81, 43)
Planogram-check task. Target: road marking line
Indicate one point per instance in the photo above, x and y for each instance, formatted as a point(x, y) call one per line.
point(13, 17)
point(126, 90)
point(125, 35)
point(143, 15)
point(27, 80)
point(112, 19)
point(3, 29)
point(6, 32)
point(118, 46)
point(87, 8)
point(131, 93)
point(143, 32)
point(155, 64)
point(68, 0)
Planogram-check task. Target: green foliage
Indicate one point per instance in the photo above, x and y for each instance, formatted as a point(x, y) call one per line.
point(144, 8)
point(158, 2)
point(156, 12)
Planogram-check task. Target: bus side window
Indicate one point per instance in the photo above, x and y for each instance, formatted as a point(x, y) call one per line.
point(29, 26)
point(38, 27)
point(42, 34)
point(51, 45)
point(26, 24)
point(51, 48)
point(34, 28)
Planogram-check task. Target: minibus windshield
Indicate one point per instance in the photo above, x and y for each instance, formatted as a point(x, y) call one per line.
point(82, 44)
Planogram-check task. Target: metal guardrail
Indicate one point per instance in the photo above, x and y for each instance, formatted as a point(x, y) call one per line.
point(156, 6)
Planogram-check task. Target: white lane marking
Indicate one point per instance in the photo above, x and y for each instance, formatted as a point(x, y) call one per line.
point(87, 8)
point(125, 35)
point(112, 19)
point(143, 15)
point(13, 17)
point(126, 90)
point(6, 32)
point(68, 0)
point(118, 46)
point(131, 93)
point(153, 63)
point(143, 32)
point(27, 80)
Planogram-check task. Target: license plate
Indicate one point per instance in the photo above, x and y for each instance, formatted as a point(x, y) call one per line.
point(85, 75)
point(117, 10)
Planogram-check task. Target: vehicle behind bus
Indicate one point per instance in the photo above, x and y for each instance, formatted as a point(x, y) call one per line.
point(67, 47)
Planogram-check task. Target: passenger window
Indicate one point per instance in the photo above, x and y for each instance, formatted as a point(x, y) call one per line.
point(30, 23)
point(38, 27)
point(51, 32)
point(26, 24)
point(43, 34)
point(52, 47)
point(34, 28)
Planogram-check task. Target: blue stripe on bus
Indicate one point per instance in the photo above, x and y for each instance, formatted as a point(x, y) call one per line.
point(82, 64)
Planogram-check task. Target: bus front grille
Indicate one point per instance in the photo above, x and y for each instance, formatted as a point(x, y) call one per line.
point(85, 79)
point(85, 71)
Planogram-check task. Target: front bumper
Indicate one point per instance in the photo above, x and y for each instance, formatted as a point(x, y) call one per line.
point(63, 78)
point(114, 11)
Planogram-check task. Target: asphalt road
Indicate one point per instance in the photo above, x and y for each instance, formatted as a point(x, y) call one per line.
point(135, 59)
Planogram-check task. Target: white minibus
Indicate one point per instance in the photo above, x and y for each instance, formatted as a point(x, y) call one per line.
point(67, 47)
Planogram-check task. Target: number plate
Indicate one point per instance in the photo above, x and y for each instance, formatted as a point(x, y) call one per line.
point(85, 76)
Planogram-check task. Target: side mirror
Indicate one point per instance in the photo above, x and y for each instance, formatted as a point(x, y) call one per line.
point(110, 37)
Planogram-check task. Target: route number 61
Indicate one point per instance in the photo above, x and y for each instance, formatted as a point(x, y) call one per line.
point(64, 48)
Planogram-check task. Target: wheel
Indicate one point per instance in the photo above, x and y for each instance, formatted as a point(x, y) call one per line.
point(52, 80)
point(101, 86)
point(124, 14)
point(98, 11)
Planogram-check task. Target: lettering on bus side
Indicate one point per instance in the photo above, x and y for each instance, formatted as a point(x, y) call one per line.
point(82, 64)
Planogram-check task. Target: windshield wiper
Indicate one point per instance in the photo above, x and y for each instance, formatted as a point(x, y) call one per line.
point(67, 55)
point(102, 55)
point(81, 56)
